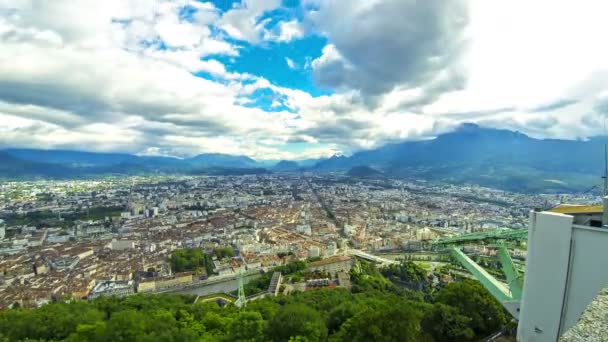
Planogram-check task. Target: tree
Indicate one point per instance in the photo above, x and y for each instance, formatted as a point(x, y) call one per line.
point(190, 259)
point(87, 332)
point(297, 320)
point(216, 323)
point(224, 252)
point(379, 311)
point(471, 299)
point(444, 323)
point(407, 272)
point(339, 315)
point(128, 325)
point(386, 323)
point(247, 327)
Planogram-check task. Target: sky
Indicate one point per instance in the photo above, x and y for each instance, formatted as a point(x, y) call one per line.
point(295, 79)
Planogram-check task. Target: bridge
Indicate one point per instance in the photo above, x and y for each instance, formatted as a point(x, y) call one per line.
point(370, 257)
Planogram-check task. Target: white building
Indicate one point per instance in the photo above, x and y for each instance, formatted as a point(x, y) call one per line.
point(565, 269)
point(424, 234)
point(119, 245)
point(331, 248)
point(314, 252)
point(2, 229)
point(304, 229)
point(349, 230)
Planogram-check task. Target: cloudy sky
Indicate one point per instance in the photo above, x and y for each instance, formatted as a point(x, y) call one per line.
point(295, 79)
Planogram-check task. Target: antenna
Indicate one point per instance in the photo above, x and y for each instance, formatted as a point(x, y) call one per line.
point(242, 300)
point(605, 176)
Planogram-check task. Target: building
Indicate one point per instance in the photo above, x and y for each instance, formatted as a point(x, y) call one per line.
point(152, 212)
point(588, 215)
point(314, 252)
point(349, 230)
point(147, 285)
point(119, 245)
point(112, 288)
point(304, 229)
point(332, 265)
point(156, 284)
point(177, 280)
point(424, 234)
point(317, 282)
point(330, 249)
point(564, 269)
point(65, 263)
point(2, 229)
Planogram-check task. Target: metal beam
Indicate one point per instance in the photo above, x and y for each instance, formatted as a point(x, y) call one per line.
point(497, 289)
point(497, 234)
point(514, 278)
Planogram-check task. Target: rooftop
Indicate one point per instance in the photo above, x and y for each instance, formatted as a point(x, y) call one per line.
point(577, 209)
point(331, 260)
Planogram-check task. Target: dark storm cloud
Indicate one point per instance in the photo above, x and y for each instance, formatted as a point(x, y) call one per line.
point(475, 114)
point(197, 126)
point(541, 123)
point(84, 104)
point(601, 105)
point(298, 139)
point(536, 126)
point(340, 131)
point(391, 43)
point(562, 103)
point(77, 100)
point(590, 120)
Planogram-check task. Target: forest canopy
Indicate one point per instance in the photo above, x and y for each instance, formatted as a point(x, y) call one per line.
point(375, 310)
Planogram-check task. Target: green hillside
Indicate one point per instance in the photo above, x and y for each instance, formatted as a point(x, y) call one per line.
point(376, 309)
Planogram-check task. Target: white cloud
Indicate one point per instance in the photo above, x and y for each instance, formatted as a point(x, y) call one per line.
point(533, 63)
point(117, 75)
point(243, 21)
point(290, 30)
point(290, 63)
point(376, 46)
point(122, 92)
point(543, 75)
point(285, 31)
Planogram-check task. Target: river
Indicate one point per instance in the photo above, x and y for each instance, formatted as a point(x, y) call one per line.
point(224, 286)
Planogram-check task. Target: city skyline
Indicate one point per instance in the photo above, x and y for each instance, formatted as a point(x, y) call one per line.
point(294, 79)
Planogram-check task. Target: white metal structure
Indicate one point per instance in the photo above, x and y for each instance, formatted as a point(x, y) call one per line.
point(565, 270)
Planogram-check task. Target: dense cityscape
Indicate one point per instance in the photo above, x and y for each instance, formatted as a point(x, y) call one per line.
point(87, 238)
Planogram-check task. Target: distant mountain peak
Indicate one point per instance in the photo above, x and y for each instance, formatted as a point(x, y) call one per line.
point(468, 130)
point(468, 126)
point(286, 165)
point(364, 171)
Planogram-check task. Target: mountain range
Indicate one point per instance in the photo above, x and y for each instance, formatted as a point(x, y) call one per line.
point(469, 154)
point(490, 157)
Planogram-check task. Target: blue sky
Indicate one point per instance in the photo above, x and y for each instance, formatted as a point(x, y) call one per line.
point(294, 79)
